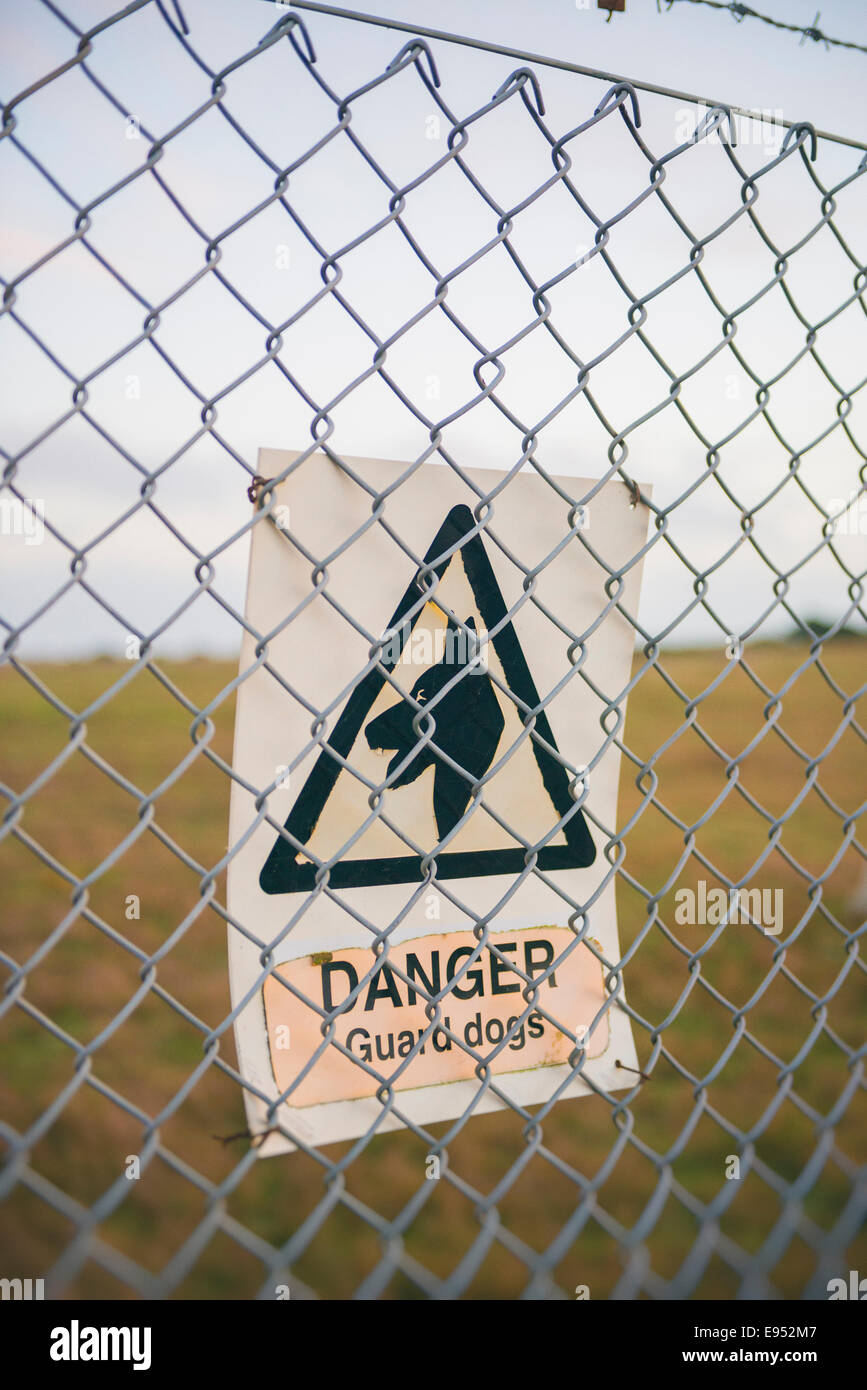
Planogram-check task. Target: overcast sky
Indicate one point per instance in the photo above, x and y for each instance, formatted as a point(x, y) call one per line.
point(144, 406)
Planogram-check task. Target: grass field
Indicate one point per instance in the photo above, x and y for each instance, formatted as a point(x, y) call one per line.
point(772, 1081)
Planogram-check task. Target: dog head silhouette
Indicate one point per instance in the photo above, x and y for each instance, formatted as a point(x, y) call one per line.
point(469, 724)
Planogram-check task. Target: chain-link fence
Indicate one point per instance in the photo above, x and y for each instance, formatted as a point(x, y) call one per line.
point(673, 306)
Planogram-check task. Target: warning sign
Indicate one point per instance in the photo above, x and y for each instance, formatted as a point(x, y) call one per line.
point(387, 1021)
point(423, 785)
point(475, 684)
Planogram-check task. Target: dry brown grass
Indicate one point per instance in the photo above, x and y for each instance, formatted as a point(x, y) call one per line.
point(81, 815)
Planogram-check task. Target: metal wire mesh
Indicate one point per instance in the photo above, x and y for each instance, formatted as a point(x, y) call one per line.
point(238, 1228)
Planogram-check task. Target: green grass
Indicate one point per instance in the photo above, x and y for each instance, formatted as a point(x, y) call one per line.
point(80, 814)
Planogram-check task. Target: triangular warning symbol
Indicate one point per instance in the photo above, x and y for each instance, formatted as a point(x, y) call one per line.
point(433, 777)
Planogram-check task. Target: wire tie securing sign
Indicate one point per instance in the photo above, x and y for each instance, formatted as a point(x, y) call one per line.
point(256, 486)
point(256, 1140)
point(623, 1067)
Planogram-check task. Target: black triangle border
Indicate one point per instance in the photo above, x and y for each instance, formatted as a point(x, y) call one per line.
point(280, 872)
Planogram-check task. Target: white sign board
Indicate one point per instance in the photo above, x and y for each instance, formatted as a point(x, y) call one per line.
point(392, 973)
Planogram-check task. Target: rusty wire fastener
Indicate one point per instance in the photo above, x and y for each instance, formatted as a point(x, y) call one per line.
point(256, 485)
point(623, 1067)
point(634, 492)
point(256, 1140)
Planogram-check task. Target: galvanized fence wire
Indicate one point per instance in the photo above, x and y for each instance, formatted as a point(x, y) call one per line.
point(619, 105)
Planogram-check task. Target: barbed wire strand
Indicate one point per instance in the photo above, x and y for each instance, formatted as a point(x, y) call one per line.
point(741, 12)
